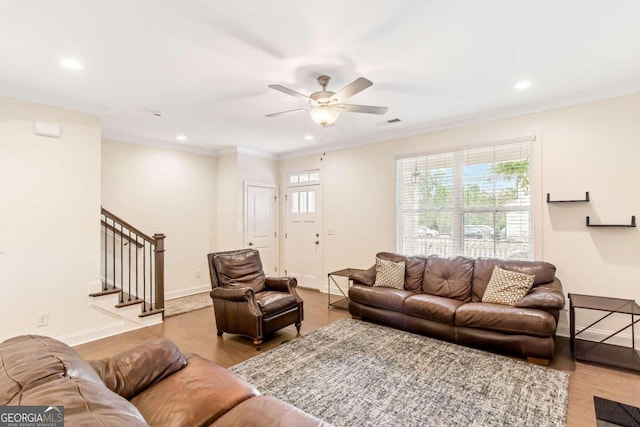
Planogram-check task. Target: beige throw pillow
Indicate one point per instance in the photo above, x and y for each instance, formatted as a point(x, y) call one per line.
point(507, 287)
point(389, 274)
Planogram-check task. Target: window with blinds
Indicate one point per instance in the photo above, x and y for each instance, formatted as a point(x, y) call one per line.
point(475, 203)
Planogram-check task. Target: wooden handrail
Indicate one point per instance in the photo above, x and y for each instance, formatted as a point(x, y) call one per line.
point(121, 234)
point(129, 226)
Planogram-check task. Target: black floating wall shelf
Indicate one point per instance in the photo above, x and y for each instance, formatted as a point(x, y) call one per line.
point(586, 199)
point(633, 223)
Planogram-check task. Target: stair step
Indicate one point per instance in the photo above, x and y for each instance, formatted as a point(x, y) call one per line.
point(107, 292)
point(128, 300)
point(151, 312)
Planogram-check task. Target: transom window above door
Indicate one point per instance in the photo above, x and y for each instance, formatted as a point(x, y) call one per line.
point(304, 177)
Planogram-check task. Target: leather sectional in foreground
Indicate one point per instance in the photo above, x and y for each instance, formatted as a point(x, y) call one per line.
point(152, 384)
point(442, 298)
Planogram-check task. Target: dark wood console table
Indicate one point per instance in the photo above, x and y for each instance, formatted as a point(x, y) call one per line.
point(331, 278)
point(599, 351)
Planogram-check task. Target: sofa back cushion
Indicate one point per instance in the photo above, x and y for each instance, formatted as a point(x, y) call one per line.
point(448, 277)
point(413, 270)
point(135, 369)
point(30, 359)
point(37, 370)
point(543, 272)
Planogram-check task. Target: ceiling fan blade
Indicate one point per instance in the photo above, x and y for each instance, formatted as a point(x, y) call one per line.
point(284, 112)
point(290, 92)
point(370, 109)
point(356, 86)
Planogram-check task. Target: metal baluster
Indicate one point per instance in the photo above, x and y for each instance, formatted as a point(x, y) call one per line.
point(114, 254)
point(151, 285)
point(130, 264)
point(121, 265)
point(104, 284)
point(136, 269)
point(144, 276)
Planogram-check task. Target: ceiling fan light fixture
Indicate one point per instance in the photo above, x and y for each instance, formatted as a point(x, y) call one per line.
point(324, 115)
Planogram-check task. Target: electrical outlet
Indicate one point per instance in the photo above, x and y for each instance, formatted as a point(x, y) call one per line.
point(198, 274)
point(42, 319)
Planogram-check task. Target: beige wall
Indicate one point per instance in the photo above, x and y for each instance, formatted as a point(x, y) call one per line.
point(592, 147)
point(49, 220)
point(170, 192)
point(235, 171)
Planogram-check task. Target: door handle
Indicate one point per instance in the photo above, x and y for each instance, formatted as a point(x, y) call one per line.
point(317, 242)
point(250, 243)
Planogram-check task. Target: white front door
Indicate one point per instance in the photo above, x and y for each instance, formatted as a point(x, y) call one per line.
point(303, 235)
point(262, 225)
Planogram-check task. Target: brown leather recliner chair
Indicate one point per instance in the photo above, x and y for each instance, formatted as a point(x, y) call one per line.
point(246, 302)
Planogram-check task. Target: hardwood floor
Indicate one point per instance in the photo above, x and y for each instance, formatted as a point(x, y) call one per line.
point(195, 332)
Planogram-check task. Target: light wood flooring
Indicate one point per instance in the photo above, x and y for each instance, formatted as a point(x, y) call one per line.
point(195, 332)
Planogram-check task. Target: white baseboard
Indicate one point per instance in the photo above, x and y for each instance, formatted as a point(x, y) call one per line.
point(81, 337)
point(186, 292)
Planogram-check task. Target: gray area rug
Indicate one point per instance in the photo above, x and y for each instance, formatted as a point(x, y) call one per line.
point(186, 304)
point(352, 373)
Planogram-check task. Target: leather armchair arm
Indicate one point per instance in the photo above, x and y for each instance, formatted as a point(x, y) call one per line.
point(366, 277)
point(547, 296)
point(244, 294)
point(282, 284)
point(133, 370)
point(233, 294)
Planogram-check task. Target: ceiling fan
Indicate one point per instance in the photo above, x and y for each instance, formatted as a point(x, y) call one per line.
point(325, 106)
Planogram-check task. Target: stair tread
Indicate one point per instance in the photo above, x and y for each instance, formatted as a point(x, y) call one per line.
point(107, 292)
point(151, 312)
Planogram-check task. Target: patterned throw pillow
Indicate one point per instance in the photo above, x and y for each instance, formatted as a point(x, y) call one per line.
point(507, 287)
point(389, 274)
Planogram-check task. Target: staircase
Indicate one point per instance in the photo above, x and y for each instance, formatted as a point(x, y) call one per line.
point(132, 270)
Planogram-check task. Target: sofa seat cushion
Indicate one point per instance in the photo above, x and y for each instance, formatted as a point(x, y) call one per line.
point(432, 307)
point(267, 411)
point(274, 302)
point(506, 319)
point(196, 395)
point(387, 298)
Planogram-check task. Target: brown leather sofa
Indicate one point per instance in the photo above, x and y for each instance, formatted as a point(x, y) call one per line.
point(152, 384)
point(442, 298)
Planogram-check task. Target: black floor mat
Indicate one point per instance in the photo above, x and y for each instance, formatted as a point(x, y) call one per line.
point(616, 413)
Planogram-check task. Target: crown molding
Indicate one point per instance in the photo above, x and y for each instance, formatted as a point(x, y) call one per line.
point(599, 94)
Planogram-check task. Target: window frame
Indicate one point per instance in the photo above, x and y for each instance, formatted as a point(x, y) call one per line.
point(535, 184)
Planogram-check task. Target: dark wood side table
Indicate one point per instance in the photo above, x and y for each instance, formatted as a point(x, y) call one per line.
point(599, 351)
point(331, 278)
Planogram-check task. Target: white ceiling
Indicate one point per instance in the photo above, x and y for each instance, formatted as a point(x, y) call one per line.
point(206, 64)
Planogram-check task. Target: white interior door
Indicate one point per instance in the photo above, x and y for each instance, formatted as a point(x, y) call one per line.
point(303, 235)
point(262, 225)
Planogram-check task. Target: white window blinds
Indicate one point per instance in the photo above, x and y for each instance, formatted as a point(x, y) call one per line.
point(473, 202)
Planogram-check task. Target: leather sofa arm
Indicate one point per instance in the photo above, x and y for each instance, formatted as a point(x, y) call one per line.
point(366, 277)
point(281, 284)
point(547, 296)
point(130, 372)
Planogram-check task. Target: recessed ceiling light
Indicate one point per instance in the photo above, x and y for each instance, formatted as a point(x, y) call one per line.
point(523, 84)
point(308, 137)
point(181, 138)
point(71, 64)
